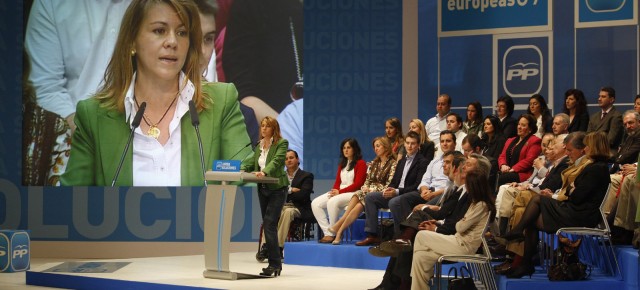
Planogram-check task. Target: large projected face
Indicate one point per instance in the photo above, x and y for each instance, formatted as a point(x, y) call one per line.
point(70, 63)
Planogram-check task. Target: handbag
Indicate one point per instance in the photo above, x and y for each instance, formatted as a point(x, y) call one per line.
point(462, 283)
point(568, 266)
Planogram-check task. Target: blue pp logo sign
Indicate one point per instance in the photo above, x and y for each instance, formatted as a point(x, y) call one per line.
point(4, 253)
point(20, 251)
point(522, 70)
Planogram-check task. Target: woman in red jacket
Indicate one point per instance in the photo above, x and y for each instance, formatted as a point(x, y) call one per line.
point(516, 160)
point(351, 175)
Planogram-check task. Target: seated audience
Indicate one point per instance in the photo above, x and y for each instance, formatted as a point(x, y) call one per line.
point(472, 144)
point(433, 182)
point(575, 105)
point(607, 119)
point(393, 130)
point(492, 137)
point(560, 124)
point(455, 205)
point(351, 175)
point(540, 111)
point(543, 177)
point(427, 147)
point(431, 245)
point(405, 179)
point(579, 209)
point(473, 123)
point(438, 123)
point(454, 124)
point(504, 110)
point(516, 159)
point(624, 217)
point(379, 176)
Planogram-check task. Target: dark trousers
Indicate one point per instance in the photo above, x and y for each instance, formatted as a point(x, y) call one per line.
point(400, 206)
point(271, 203)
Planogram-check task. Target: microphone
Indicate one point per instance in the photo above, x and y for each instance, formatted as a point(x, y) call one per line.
point(195, 121)
point(135, 123)
point(245, 146)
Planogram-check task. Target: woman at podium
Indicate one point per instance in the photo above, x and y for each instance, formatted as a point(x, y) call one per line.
point(155, 62)
point(268, 160)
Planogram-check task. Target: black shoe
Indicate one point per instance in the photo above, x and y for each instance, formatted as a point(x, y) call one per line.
point(521, 271)
point(379, 252)
point(271, 270)
point(396, 247)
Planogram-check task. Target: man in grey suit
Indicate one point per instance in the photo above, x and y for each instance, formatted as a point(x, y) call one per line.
point(608, 119)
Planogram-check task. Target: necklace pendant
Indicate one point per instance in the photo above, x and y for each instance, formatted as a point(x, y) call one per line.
point(153, 132)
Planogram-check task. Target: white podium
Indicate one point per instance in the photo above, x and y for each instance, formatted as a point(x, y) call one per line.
point(218, 215)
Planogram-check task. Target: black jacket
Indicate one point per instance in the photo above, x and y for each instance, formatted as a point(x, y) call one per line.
point(449, 226)
point(302, 199)
point(414, 176)
point(553, 181)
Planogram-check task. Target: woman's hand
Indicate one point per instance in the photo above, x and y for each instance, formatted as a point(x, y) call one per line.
point(333, 192)
point(259, 174)
point(505, 168)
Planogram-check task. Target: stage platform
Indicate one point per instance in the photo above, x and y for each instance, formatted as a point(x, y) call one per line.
point(185, 272)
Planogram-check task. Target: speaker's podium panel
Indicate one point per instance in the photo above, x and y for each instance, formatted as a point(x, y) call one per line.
point(218, 216)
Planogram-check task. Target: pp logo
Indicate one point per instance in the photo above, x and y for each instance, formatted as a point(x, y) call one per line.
point(522, 70)
point(20, 251)
point(600, 6)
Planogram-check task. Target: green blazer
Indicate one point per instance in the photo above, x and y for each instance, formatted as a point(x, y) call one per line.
point(274, 166)
point(101, 136)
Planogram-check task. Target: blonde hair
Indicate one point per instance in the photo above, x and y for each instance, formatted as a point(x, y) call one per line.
point(386, 144)
point(424, 137)
point(598, 146)
point(119, 73)
point(273, 123)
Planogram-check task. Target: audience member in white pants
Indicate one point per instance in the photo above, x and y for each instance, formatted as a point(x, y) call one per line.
point(352, 172)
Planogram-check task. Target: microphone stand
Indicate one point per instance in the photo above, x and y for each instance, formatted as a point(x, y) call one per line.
point(134, 124)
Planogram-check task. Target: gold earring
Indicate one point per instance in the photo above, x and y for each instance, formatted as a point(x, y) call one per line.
point(133, 52)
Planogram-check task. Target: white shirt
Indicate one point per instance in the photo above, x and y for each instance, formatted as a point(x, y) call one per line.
point(434, 176)
point(436, 125)
point(70, 44)
point(459, 136)
point(262, 159)
point(153, 163)
point(347, 176)
point(540, 128)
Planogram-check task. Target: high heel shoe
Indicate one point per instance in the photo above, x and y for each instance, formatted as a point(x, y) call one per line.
point(337, 241)
point(271, 270)
point(521, 271)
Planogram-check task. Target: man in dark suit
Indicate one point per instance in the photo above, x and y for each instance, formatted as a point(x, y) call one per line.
point(455, 205)
point(608, 119)
point(406, 179)
point(298, 202)
point(630, 147)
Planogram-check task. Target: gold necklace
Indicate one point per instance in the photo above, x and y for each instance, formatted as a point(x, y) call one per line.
point(154, 131)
